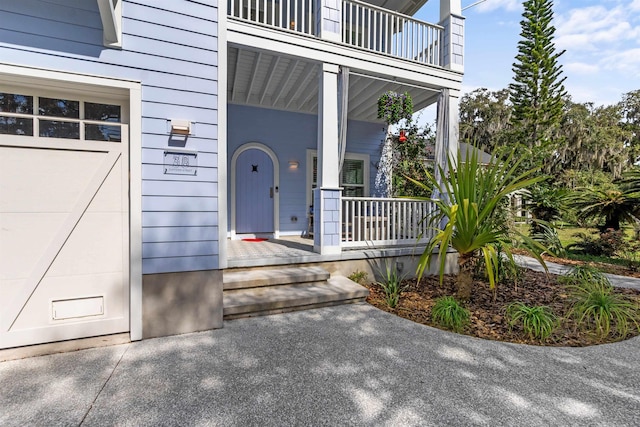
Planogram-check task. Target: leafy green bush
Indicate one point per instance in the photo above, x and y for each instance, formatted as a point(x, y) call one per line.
point(448, 313)
point(548, 237)
point(607, 243)
point(596, 307)
point(359, 277)
point(391, 285)
point(537, 322)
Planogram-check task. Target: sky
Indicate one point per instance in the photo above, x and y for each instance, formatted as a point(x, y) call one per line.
point(601, 39)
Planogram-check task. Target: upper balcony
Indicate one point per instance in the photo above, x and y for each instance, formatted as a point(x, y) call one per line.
point(352, 23)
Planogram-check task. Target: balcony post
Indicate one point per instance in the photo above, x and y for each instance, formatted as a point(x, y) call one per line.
point(329, 19)
point(326, 197)
point(453, 35)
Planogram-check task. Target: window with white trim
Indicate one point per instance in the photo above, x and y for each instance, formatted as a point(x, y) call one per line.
point(50, 116)
point(354, 177)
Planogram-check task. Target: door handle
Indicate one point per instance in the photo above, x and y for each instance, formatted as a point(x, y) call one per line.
point(271, 192)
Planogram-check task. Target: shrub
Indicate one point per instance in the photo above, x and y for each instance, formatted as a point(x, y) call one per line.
point(584, 274)
point(359, 277)
point(391, 285)
point(537, 322)
point(607, 243)
point(448, 313)
point(596, 306)
point(548, 237)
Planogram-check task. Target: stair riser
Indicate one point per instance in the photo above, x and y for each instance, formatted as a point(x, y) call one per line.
point(290, 309)
point(275, 281)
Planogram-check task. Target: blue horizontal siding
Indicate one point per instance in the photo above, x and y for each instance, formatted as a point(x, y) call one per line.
point(170, 46)
point(185, 263)
point(179, 204)
point(179, 249)
point(179, 234)
point(167, 219)
point(178, 188)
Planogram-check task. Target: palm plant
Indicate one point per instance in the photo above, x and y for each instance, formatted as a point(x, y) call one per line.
point(614, 206)
point(472, 192)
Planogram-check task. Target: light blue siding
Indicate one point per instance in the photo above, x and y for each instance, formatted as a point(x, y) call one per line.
point(170, 46)
point(289, 135)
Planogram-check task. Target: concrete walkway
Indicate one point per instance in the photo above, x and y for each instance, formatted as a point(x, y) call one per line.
point(346, 365)
point(619, 281)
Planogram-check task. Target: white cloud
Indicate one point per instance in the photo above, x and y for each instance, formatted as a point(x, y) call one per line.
point(581, 68)
point(489, 5)
point(635, 5)
point(596, 27)
point(627, 61)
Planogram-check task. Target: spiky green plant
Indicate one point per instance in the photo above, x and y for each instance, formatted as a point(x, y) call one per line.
point(538, 322)
point(359, 277)
point(597, 307)
point(448, 313)
point(391, 284)
point(471, 194)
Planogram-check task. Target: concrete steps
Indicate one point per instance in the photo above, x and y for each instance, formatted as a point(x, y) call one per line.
point(268, 291)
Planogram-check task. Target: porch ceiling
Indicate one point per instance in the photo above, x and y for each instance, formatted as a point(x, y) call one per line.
point(268, 80)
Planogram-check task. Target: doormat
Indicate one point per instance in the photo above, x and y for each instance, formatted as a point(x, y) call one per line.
point(255, 239)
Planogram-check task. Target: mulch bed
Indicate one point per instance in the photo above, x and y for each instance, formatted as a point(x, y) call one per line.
point(488, 316)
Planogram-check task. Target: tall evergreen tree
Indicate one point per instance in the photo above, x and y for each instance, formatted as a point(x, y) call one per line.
point(537, 91)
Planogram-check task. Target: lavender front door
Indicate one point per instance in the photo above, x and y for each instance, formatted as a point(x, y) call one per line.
point(254, 192)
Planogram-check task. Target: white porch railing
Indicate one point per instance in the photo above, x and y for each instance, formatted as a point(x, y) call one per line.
point(293, 15)
point(377, 222)
point(363, 26)
point(380, 30)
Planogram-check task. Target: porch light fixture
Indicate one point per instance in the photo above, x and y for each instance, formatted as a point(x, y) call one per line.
point(293, 164)
point(402, 137)
point(179, 127)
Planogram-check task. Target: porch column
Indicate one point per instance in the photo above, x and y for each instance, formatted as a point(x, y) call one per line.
point(453, 123)
point(328, 21)
point(453, 35)
point(326, 197)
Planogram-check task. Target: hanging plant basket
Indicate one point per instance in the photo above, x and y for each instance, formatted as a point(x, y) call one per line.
point(394, 107)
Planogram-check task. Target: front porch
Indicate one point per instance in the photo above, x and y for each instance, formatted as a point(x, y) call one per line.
point(303, 136)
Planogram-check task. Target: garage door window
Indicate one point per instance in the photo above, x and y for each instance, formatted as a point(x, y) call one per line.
point(59, 118)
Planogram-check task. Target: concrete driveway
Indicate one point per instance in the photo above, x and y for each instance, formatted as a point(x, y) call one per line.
point(347, 365)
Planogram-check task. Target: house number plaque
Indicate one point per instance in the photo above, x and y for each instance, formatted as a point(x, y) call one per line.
point(180, 163)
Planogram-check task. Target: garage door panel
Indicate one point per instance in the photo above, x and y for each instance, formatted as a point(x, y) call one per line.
point(95, 245)
point(38, 310)
point(39, 180)
point(109, 197)
point(64, 234)
point(25, 236)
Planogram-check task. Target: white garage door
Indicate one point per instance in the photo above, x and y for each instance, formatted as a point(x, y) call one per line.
point(64, 221)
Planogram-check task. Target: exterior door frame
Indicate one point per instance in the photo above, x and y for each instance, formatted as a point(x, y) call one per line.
point(276, 185)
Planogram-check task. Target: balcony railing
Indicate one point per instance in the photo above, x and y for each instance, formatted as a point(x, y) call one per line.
point(384, 222)
point(363, 26)
point(292, 15)
point(380, 30)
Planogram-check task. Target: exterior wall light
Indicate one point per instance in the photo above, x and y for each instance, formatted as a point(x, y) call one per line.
point(179, 127)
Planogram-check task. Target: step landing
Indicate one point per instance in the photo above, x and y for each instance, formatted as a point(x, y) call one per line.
point(265, 291)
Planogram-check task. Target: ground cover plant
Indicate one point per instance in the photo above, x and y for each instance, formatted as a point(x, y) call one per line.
point(490, 316)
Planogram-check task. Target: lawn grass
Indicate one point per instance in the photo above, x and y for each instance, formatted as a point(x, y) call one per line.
point(567, 234)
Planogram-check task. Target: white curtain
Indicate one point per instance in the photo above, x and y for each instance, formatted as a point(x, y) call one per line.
point(343, 109)
point(442, 137)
